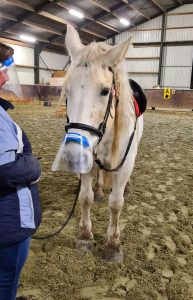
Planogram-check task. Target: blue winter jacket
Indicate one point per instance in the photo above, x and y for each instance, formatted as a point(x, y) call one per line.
point(20, 213)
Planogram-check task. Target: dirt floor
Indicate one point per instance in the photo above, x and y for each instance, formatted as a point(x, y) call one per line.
point(156, 222)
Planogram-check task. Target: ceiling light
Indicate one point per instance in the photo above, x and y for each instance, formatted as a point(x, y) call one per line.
point(27, 38)
point(76, 13)
point(124, 21)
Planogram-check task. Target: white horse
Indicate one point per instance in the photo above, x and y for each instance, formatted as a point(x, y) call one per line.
point(103, 121)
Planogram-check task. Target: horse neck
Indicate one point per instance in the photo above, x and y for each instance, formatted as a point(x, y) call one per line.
point(126, 108)
point(124, 119)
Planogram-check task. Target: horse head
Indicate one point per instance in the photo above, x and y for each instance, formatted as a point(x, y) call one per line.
point(90, 89)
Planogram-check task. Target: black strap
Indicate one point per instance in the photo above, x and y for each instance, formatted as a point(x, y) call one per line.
point(100, 164)
point(102, 126)
point(84, 127)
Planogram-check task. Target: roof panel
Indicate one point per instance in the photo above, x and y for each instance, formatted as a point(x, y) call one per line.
point(87, 38)
point(114, 22)
point(22, 28)
point(87, 7)
point(10, 9)
point(90, 8)
point(110, 3)
point(37, 19)
point(167, 3)
point(2, 21)
point(99, 29)
point(33, 2)
point(62, 13)
point(150, 11)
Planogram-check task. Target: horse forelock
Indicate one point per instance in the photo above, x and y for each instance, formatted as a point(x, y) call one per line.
point(92, 56)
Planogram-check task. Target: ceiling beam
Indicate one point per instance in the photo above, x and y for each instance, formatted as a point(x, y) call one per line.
point(40, 10)
point(101, 5)
point(32, 24)
point(109, 10)
point(56, 18)
point(139, 11)
point(89, 17)
point(38, 38)
point(58, 44)
point(93, 33)
point(107, 26)
point(63, 21)
point(8, 16)
point(21, 4)
point(103, 14)
point(44, 4)
point(91, 20)
point(15, 42)
point(44, 27)
point(136, 9)
point(158, 5)
point(68, 7)
point(97, 17)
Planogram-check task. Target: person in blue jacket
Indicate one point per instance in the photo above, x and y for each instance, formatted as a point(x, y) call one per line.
point(20, 213)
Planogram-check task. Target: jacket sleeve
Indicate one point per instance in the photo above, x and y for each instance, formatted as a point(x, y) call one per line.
point(27, 149)
point(24, 170)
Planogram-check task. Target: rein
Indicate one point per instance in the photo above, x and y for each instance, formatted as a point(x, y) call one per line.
point(65, 222)
point(100, 164)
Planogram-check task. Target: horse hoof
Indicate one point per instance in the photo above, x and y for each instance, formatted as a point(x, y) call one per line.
point(114, 255)
point(86, 245)
point(98, 197)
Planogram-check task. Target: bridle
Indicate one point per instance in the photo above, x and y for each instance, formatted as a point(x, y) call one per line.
point(100, 131)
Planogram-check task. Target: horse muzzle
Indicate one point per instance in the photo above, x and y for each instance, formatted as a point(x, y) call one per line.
point(74, 155)
point(77, 153)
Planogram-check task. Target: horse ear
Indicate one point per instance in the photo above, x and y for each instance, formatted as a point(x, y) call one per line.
point(72, 41)
point(117, 53)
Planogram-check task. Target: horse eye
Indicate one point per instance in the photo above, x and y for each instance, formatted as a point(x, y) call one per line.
point(105, 92)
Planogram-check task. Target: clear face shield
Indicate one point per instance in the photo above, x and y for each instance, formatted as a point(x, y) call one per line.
point(9, 80)
point(74, 154)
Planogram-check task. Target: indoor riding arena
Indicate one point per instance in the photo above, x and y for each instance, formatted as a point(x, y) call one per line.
point(156, 221)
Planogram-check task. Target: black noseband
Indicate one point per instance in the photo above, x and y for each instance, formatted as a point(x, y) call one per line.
point(84, 127)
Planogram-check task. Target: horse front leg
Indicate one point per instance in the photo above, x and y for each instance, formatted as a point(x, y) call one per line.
point(86, 198)
point(113, 251)
point(99, 195)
